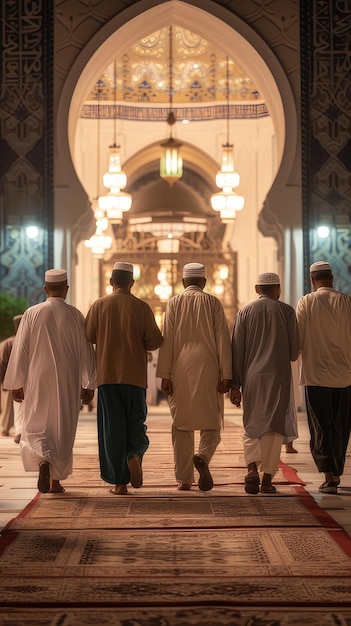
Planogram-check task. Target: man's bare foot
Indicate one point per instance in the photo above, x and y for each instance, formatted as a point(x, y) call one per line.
point(184, 486)
point(17, 438)
point(136, 473)
point(119, 490)
point(56, 487)
point(4, 433)
point(289, 448)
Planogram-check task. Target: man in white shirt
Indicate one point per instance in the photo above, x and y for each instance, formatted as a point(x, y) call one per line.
point(51, 370)
point(324, 320)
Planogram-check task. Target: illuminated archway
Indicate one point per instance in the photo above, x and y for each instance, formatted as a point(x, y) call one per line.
point(254, 56)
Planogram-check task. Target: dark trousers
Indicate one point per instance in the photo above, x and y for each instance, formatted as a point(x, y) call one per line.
point(121, 415)
point(329, 420)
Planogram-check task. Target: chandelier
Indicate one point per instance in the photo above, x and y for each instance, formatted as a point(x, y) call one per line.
point(99, 242)
point(169, 231)
point(227, 201)
point(165, 276)
point(115, 202)
point(171, 162)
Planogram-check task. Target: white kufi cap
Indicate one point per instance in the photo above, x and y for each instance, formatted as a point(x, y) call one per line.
point(194, 270)
point(320, 266)
point(125, 267)
point(268, 278)
point(55, 276)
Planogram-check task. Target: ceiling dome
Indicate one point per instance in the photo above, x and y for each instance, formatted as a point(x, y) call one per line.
point(199, 70)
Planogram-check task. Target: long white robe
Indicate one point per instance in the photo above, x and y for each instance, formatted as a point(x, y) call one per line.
point(265, 341)
point(51, 359)
point(195, 355)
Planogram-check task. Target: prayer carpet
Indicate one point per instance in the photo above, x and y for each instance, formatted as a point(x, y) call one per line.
point(160, 557)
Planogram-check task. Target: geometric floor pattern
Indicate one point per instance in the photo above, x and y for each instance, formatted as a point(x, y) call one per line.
point(159, 557)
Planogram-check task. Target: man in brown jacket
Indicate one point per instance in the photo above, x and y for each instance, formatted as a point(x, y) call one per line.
point(124, 329)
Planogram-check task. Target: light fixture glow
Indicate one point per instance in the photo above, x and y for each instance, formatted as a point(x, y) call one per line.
point(323, 232)
point(115, 202)
point(98, 243)
point(171, 162)
point(227, 202)
point(32, 232)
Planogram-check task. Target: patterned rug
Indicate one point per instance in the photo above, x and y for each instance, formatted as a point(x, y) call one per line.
point(160, 557)
point(170, 616)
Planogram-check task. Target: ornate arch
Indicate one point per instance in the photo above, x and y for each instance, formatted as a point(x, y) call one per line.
point(256, 57)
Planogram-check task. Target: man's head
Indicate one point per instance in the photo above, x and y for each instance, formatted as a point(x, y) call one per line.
point(194, 274)
point(56, 283)
point(122, 276)
point(268, 284)
point(321, 274)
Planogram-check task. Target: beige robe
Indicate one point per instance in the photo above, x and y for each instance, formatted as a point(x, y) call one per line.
point(195, 355)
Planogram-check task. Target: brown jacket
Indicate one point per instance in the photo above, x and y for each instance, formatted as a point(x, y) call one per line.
point(123, 328)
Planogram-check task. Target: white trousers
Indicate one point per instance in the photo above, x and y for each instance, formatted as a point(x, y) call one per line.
point(18, 417)
point(183, 449)
point(264, 451)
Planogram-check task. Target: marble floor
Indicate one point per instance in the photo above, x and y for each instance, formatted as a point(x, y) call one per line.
point(18, 488)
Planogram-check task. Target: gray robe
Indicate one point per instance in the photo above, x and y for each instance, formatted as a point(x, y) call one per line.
point(265, 340)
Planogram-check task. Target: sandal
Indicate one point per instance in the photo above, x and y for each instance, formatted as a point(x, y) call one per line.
point(252, 483)
point(205, 481)
point(268, 489)
point(331, 487)
point(44, 477)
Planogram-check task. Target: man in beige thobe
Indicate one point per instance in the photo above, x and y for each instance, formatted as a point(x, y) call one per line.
point(195, 366)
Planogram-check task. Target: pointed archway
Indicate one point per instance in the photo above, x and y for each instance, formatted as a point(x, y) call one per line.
point(280, 216)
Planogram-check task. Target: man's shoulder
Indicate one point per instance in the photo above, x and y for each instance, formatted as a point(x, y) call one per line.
point(138, 302)
point(287, 307)
point(73, 309)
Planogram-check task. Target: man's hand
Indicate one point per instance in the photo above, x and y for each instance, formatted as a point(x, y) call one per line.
point(166, 386)
point(223, 386)
point(86, 395)
point(235, 397)
point(18, 395)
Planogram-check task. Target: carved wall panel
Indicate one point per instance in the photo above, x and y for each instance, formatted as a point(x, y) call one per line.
point(26, 163)
point(326, 139)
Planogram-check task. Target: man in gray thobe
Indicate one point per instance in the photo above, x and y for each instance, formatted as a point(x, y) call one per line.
point(264, 342)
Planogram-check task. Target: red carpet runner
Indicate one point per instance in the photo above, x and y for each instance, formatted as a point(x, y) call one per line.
point(160, 557)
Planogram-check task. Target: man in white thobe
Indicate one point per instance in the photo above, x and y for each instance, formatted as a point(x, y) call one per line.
point(265, 341)
point(51, 370)
point(324, 320)
point(195, 366)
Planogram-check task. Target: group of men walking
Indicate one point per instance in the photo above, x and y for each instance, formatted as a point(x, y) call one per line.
point(58, 359)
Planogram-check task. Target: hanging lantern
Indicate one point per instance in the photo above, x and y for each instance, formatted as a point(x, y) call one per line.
point(171, 162)
point(98, 243)
point(227, 202)
point(115, 202)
